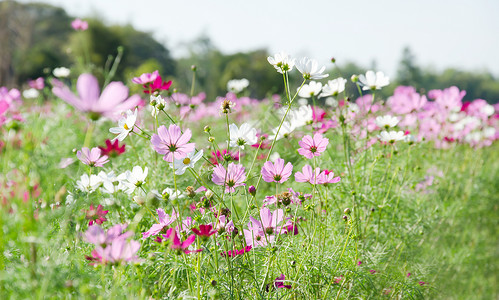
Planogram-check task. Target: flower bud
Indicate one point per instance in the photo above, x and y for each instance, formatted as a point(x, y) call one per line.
point(333, 60)
point(207, 128)
point(345, 218)
point(252, 190)
point(354, 78)
point(190, 191)
point(347, 211)
point(194, 68)
point(209, 194)
point(211, 139)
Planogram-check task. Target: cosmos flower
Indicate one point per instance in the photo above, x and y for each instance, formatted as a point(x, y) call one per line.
point(113, 100)
point(310, 90)
point(281, 62)
point(204, 230)
point(61, 72)
point(276, 172)
point(387, 121)
point(180, 165)
point(112, 149)
point(125, 125)
point(237, 85)
point(311, 147)
point(130, 180)
point(79, 25)
point(165, 220)
point(92, 157)
point(391, 136)
point(172, 143)
point(96, 215)
point(244, 135)
point(373, 81)
point(309, 68)
point(233, 177)
point(88, 183)
point(333, 87)
point(308, 175)
point(176, 244)
point(146, 78)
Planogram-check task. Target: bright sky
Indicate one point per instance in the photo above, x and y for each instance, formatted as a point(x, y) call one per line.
point(441, 33)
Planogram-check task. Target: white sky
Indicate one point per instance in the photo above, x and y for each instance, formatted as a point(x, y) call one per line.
point(441, 33)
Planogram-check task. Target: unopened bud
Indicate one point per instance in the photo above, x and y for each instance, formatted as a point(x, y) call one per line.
point(347, 211)
point(207, 128)
point(333, 60)
point(213, 282)
point(190, 191)
point(345, 218)
point(354, 78)
point(209, 194)
point(194, 68)
point(211, 139)
point(252, 190)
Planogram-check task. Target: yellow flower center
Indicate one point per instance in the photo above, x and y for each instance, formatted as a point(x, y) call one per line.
point(126, 127)
point(186, 161)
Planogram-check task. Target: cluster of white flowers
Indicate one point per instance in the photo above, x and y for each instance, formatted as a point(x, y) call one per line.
point(157, 103)
point(110, 183)
point(296, 118)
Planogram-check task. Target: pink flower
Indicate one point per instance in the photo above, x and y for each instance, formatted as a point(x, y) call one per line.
point(97, 236)
point(326, 177)
point(164, 221)
point(96, 215)
point(183, 246)
point(37, 83)
point(92, 157)
point(146, 78)
point(79, 24)
point(112, 149)
point(233, 177)
point(308, 175)
point(279, 282)
point(113, 100)
point(313, 147)
point(171, 142)
point(157, 85)
point(276, 172)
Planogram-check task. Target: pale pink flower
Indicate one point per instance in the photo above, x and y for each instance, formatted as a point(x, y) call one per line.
point(165, 220)
point(233, 177)
point(326, 177)
point(172, 143)
point(92, 157)
point(146, 78)
point(308, 175)
point(311, 147)
point(276, 172)
point(79, 24)
point(113, 100)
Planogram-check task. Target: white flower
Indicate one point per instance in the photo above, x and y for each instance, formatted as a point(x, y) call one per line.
point(488, 110)
point(169, 194)
point(387, 121)
point(158, 103)
point(61, 72)
point(281, 62)
point(309, 68)
point(391, 136)
point(409, 139)
point(88, 184)
point(302, 102)
point(489, 132)
point(334, 87)
point(242, 135)
point(310, 90)
point(286, 129)
point(373, 81)
point(188, 162)
point(274, 156)
point(110, 183)
point(237, 85)
point(125, 125)
point(330, 101)
point(301, 116)
point(30, 93)
point(129, 181)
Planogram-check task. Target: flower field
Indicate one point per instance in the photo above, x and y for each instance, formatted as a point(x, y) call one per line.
point(306, 194)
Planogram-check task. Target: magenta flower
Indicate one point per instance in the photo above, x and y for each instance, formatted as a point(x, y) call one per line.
point(96, 215)
point(307, 175)
point(276, 172)
point(183, 246)
point(233, 177)
point(113, 100)
point(172, 143)
point(165, 220)
point(204, 230)
point(112, 149)
point(233, 253)
point(157, 85)
point(279, 282)
point(311, 147)
point(92, 157)
point(146, 78)
point(79, 24)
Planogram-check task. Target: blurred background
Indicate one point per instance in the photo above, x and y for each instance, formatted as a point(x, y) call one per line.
point(426, 44)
